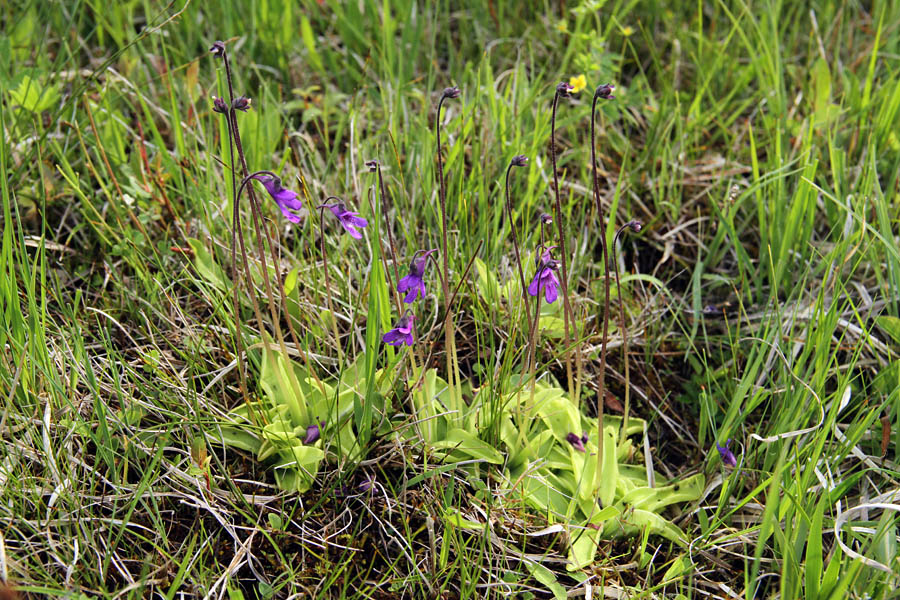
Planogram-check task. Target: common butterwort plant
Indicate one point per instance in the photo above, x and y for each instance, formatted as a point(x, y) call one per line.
point(525, 432)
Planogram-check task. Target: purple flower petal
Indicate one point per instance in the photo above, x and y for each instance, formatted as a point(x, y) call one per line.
point(286, 199)
point(312, 434)
point(533, 286)
point(550, 292)
point(727, 455)
point(401, 333)
point(353, 231)
point(575, 441)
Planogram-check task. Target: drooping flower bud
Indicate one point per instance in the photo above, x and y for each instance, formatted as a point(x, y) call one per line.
point(564, 89)
point(605, 91)
point(219, 105)
point(242, 103)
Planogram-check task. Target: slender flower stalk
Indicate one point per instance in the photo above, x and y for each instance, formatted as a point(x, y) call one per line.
point(562, 90)
point(375, 167)
point(243, 103)
point(634, 226)
point(602, 91)
point(517, 161)
point(337, 339)
point(449, 338)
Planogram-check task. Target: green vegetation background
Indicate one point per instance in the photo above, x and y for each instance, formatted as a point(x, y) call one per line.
point(757, 141)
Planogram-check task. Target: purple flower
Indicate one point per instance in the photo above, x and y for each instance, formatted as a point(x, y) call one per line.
point(286, 200)
point(312, 434)
point(727, 455)
point(218, 48)
point(402, 332)
point(546, 218)
point(349, 220)
point(520, 161)
point(450, 92)
point(545, 279)
point(367, 483)
point(413, 283)
point(605, 91)
point(577, 442)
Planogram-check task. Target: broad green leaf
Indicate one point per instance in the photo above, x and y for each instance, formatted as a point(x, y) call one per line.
point(455, 518)
point(583, 547)
point(889, 379)
point(546, 577)
point(459, 440)
point(297, 468)
point(34, 96)
point(609, 472)
point(891, 326)
point(206, 265)
point(653, 499)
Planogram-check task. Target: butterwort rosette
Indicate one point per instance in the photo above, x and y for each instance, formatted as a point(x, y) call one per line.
point(413, 283)
point(545, 279)
point(349, 220)
point(288, 201)
point(402, 333)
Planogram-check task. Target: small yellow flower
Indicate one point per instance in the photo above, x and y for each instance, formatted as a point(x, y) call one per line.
point(578, 83)
point(627, 31)
point(562, 26)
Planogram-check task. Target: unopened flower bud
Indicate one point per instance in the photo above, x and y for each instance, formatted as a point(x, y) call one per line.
point(242, 103)
point(605, 91)
point(219, 105)
point(564, 89)
point(218, 48)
